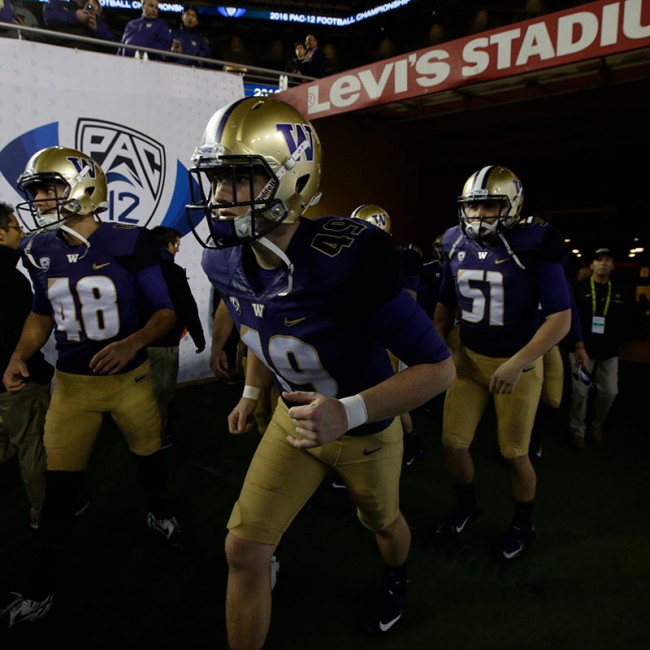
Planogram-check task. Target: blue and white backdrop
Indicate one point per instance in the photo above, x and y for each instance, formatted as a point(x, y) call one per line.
point(139, 119)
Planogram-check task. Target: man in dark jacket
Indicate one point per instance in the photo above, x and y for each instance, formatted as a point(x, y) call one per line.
point(147, 31)
point(22, 414)
point(164, 353)
point(315, 63)
point(77, 17)
point(187, 39)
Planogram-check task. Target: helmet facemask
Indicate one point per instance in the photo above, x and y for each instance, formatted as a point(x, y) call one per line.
point(78, 182)
point(486, 227)
point(500, 193)
point(47, 214)
point(245, 138)
point(238, 173)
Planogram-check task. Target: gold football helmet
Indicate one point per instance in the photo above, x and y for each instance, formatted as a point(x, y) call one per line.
point(244, 138)
point(492, 187)
point(83, 189)
point(373, 214)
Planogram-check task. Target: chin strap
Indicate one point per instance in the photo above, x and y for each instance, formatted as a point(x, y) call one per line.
point(511, 252)
point(69, 231)
point(28, 252)
point(76, 235)
point(279, 253)
point(455, 245)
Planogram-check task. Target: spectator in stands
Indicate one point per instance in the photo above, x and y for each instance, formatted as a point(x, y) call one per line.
point(314, 64)
point(299, 52)
point(147, 31)
point(77, 17)
point(187, 39)
point(15, 12)
point(7, 13)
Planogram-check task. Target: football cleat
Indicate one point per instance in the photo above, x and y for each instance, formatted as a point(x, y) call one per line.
point(388, 608)
point(456, 522)
point(169, 528)
point(24, 610)
point(516, 541)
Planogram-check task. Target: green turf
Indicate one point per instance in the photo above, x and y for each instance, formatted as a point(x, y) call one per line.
point(582, 584)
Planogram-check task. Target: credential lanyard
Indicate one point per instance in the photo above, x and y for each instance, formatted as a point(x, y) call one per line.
point(593, 297)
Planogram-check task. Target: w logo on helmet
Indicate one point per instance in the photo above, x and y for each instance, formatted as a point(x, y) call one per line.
point(295, 135)
point(379, 219)
point(84, 166)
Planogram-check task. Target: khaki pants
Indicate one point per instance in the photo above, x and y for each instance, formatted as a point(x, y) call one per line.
point(164, 363)
point(605, 379)
point(22, 417)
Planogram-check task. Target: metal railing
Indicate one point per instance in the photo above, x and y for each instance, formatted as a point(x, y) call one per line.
point(251, 74)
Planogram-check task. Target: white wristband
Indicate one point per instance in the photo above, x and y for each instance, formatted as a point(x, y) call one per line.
point(251, 392)
point(355, 410)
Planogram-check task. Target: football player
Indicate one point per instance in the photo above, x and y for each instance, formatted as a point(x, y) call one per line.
point(412, 270)
point(317, 302)
point(496, 274)
point(100, 288)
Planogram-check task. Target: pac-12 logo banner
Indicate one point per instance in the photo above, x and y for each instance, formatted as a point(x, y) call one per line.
point(134, 164)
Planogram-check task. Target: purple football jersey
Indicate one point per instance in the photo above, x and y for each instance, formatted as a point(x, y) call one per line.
point(328, 333)
point(96, 294)
point(498, 290)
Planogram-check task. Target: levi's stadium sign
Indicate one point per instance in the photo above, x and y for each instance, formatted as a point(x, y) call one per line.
point(585, 32)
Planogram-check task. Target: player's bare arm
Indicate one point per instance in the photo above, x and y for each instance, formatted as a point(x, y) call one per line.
point(222, 326)
point(552, 331)
point(111, 359)
point(321, 419)
point(443, 320)
point(240, 419)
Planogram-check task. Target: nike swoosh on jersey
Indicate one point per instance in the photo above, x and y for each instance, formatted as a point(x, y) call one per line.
point(138, 379)
point(290, 323)
point(370, 452)
point(96, 267)
point(527, 369)
point(502, 261)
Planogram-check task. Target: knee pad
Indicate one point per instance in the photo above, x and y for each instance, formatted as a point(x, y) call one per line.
point(511, 452)
point(453, 441)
